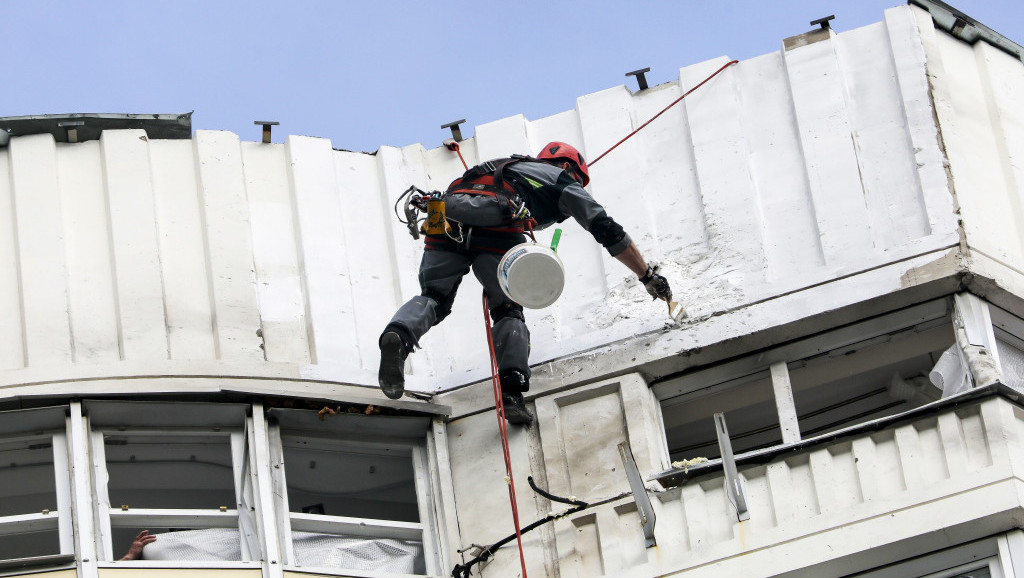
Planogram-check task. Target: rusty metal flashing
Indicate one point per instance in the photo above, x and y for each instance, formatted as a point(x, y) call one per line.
point(681, 476)
point(79, 127)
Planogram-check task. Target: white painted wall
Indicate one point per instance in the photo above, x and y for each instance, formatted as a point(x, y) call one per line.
point(979, 101)
point(787, 171)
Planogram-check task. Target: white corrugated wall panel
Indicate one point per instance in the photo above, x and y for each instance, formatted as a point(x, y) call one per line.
point(915, 94)
point(888, 172)
point(228, 246)
point(91, 293)
point(792, 242)
point(182, 253)
point(321, 242)
point(357, 178)
point(275, 254)
point(823, 120)
point(40, 256)
point(138, 278)
point(11, 314)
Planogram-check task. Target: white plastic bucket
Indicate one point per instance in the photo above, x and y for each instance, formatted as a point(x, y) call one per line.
point(531, 275)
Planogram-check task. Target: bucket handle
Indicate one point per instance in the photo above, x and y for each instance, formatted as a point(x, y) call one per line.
point(554, 240)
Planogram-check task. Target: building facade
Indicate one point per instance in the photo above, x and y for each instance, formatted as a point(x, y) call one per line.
point(190, 338)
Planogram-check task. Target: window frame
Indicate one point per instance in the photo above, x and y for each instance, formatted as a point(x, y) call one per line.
point(108, 516)
point(425, 531)
point(54, 429)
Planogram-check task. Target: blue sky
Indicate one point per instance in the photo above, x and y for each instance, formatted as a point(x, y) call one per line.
point(378, 72)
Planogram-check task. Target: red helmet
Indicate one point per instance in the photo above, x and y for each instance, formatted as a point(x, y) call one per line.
point(561, 151)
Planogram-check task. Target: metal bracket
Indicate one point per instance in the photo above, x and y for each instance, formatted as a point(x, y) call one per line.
point(643, 501)
point(824, 22)
point(640, 78)
point(266, 124)
point(456, 131)
point(733, 483)
point(71, 129)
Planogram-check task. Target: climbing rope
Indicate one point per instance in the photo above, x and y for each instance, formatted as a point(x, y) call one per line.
point(673, 103)
point(454, 146)
point(503, 430)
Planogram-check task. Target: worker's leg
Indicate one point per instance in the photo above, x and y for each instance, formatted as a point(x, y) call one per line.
point(511, 339)
point(511, 336)
point(440, 275)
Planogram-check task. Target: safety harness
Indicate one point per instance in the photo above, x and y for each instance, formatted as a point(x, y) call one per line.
point(488, 179)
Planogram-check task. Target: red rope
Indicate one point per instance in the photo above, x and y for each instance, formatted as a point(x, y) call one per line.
point(503, 430)
point(454, 146)
point(674, 102)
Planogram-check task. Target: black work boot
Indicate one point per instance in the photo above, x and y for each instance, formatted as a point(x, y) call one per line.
point(515, 409)
point(391, 375)
point(513, 384)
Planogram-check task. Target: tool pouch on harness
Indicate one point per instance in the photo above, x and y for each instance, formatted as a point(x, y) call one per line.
point(436, 223)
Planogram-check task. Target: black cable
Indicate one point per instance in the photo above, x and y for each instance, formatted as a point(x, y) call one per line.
point(553, 498)
point(464, 570)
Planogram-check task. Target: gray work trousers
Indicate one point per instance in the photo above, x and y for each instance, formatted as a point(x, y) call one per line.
point(440, 273)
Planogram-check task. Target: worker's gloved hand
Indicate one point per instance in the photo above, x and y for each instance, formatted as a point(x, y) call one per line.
point(656, 284)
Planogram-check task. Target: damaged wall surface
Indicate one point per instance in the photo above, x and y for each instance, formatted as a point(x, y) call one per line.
point(814, 164)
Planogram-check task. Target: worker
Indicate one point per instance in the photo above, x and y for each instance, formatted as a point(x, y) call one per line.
point(488, 208)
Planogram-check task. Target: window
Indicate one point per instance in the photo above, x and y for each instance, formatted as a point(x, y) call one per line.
point(356, 490)
point(178, 470)
point(978, 559)
point(867, 370)
point(35, 512)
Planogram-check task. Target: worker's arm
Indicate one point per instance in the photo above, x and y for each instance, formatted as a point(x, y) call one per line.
point(655, 283)
point(632, 258)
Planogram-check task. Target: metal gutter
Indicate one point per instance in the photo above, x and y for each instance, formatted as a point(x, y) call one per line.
point(966, 28)
point(681, 476)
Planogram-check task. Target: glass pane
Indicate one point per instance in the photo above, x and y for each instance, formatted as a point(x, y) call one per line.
point(364, 483)
point(165, 471)
point(184, 544)
point(27, 483)
point(29, 544)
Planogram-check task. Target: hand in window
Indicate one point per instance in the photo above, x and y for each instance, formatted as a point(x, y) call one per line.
point(140, 542)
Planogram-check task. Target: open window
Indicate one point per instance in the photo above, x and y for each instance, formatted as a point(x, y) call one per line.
point(356, 491)
point(850, 375)
point(178, 470)
point(35, 511)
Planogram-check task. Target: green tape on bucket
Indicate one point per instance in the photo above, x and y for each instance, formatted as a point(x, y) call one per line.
point(555, 238)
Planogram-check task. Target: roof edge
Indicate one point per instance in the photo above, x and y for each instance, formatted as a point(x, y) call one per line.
point(966, 28)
